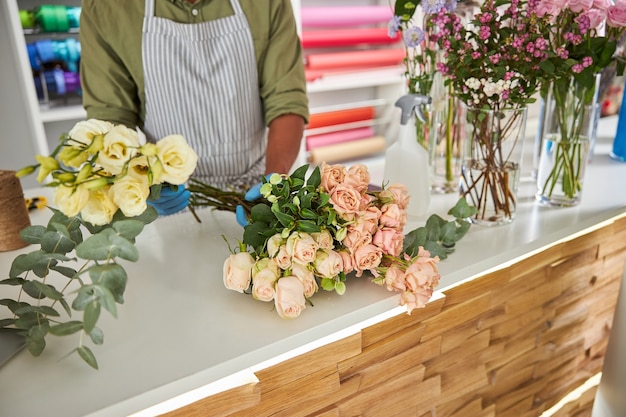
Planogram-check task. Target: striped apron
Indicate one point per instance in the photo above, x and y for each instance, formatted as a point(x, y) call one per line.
point(201, 82)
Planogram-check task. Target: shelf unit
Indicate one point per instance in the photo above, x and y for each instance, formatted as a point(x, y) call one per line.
point(30, 127)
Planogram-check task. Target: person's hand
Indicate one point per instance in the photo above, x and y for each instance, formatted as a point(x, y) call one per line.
point(254, 193)
point(171, 201)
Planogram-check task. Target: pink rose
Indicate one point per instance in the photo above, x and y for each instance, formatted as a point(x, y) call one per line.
point(389, 240)
point(367, 257)
point(602, 4)
point(368, 220)
point(283, 258)
point(328, 263)
point(596, 17)
point(238, 271)
point(324, 239)
point(263, 285)
point(356, 238)
point(345, 200)
point(332, 176)
point(423, 272)
point(392, 216)
point(307, 278)
point(347, 261)
point(413, 300)
point(289, 299)
point(358, 177)
point(273, 244)
point(616, 15)
point(394, 279)
point(400, 195)
point(551, 8)
point(301, 247)
point(578, 6)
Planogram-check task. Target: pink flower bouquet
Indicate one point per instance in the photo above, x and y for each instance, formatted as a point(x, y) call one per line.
point(307, 233)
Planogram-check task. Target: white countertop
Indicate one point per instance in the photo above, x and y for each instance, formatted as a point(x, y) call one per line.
point(180, 330)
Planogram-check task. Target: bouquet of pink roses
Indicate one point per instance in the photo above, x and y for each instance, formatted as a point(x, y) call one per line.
point(311, 232)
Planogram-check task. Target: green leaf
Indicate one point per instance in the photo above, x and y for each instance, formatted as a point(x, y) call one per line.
point(97, 336)
point(35, 340)
point(112, 276)
point(316, 178)
point(91, 315)
point(107, 245)
point(67, 328)
point(262, 213)
point(87, 355)
point(253, 235)
point(328, 284)
point(128, 229)
point(86, 295)
point(285, 219)
point(65, 271)
point(405, 9)
point(307, 226)
point(340, 287)
point(308, 214)
point(462, 210)
point(56, 242)
point(38, 289)
point(43, 310)
point(32, 234)
point(300, 172)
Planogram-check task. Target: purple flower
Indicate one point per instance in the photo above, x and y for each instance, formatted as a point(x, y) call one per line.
point(413, 36)
point(394, 26)
point(433, 6)
point(451, 5)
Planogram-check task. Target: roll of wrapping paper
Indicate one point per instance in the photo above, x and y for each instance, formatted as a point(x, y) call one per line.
point(339, 117)
point(341, 136)
point(342, 16)
point(347, 150)
point(13, 212)
point(330, 38)
point(351, 59)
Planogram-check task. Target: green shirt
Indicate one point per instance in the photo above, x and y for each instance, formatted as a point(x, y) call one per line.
point(111, 64)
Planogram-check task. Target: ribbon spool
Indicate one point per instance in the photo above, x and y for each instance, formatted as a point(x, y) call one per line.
point(13, 213)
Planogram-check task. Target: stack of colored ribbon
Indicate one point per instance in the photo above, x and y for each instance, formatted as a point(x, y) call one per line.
point(347, 38)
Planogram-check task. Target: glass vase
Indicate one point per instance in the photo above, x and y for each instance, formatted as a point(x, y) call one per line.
point(490, 171)
point(568, 126)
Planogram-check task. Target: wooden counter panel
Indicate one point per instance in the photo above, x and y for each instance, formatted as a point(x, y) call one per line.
point(513, 342)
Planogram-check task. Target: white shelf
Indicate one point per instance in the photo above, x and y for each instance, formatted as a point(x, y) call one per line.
point(62, 113)
point(357, 79)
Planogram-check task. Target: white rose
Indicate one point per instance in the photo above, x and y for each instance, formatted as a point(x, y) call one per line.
point(324, 239)
point(120, 145)
point(301, 247)
point(273, 244)
point(130, 195)
point(238, 271)
point(263, 282)
point(177, 157)
point(289, 299)
point(70, 200)
point(100, 208)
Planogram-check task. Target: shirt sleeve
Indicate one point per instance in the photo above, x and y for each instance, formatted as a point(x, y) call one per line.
point(109, 91)
point(282, 79)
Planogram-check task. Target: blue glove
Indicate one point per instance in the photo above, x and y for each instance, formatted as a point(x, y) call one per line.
point(170, 201)
point(254, 193)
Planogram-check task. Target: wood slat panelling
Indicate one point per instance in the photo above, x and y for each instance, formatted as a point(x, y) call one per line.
point(511, 343)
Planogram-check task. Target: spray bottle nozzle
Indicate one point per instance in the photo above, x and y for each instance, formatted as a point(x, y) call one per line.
point(410, 103)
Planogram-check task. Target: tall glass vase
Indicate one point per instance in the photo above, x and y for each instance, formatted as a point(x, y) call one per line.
point(494, 145)
point(568, 126)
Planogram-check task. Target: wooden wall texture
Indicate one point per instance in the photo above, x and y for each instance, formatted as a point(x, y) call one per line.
point(511, 343)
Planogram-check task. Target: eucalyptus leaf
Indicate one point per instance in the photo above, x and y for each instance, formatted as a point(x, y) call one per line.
point(66, 328)
point(96, 335)
point(32, 234)
point(261, 213)
point(112, 276)
point(35, 341)
point(87, 355)
point(57, 242)
point(128, 229)
point(91, 315)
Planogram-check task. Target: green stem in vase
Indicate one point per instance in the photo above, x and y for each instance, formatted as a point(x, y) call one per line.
point(449, 133)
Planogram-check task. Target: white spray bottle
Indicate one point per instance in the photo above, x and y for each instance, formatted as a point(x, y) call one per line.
point(406, 161)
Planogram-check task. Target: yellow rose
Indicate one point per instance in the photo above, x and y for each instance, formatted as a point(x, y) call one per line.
point(130, 195)
point(100, 208)
point(85, 131)
point(70, 200)
point(72, 156)
point(178, 159)
point(120, 145)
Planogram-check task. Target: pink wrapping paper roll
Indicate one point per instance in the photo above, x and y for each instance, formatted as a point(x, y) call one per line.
point(355, 59)
point(341, 16)
point(347, 37)
point(348, 150)
point(315, 141)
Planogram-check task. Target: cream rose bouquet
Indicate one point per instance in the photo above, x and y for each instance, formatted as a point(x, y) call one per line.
point(102, 177)
point(311, 232)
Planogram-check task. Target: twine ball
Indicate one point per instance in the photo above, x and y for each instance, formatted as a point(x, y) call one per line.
point(13, 212)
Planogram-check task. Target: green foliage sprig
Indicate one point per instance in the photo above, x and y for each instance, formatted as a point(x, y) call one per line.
point(94, 279)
